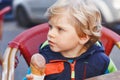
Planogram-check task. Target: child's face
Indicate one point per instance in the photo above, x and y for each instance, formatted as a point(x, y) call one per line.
point(62, 36)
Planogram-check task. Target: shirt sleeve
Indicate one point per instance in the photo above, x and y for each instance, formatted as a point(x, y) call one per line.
point(111, 67)
point(28, 72)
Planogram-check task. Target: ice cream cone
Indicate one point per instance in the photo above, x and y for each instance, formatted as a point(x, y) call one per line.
point(37, 71)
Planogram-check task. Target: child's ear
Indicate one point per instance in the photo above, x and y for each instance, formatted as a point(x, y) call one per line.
point(84, 39)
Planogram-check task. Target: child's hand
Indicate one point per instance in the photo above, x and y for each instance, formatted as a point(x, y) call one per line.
point(34, 77)
point(29, 77)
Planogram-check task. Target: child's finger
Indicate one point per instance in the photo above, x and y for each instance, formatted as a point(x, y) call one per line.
point(29, 77)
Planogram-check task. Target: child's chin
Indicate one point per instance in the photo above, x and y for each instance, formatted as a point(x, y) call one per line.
point(54, 49)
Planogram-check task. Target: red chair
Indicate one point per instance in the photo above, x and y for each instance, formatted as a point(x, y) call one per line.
point(109, 39)
point(2, 13)
point(28, 43)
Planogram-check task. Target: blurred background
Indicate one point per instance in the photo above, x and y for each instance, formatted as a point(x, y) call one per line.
point(28, 13)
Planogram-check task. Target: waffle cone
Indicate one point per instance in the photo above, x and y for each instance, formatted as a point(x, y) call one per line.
point(37, 71)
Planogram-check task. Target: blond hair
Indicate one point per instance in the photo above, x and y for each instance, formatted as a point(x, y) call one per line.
point(84, 16)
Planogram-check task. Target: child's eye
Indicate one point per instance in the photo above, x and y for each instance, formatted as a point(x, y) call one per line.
point(60, 29)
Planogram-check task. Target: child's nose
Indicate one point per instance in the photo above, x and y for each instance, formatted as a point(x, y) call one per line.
point(51, 33)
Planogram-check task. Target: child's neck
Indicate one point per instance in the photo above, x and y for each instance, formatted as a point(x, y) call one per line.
point(74, 53)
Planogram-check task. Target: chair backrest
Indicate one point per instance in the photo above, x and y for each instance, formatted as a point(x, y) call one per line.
point(28, 43)
point(109, 39)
